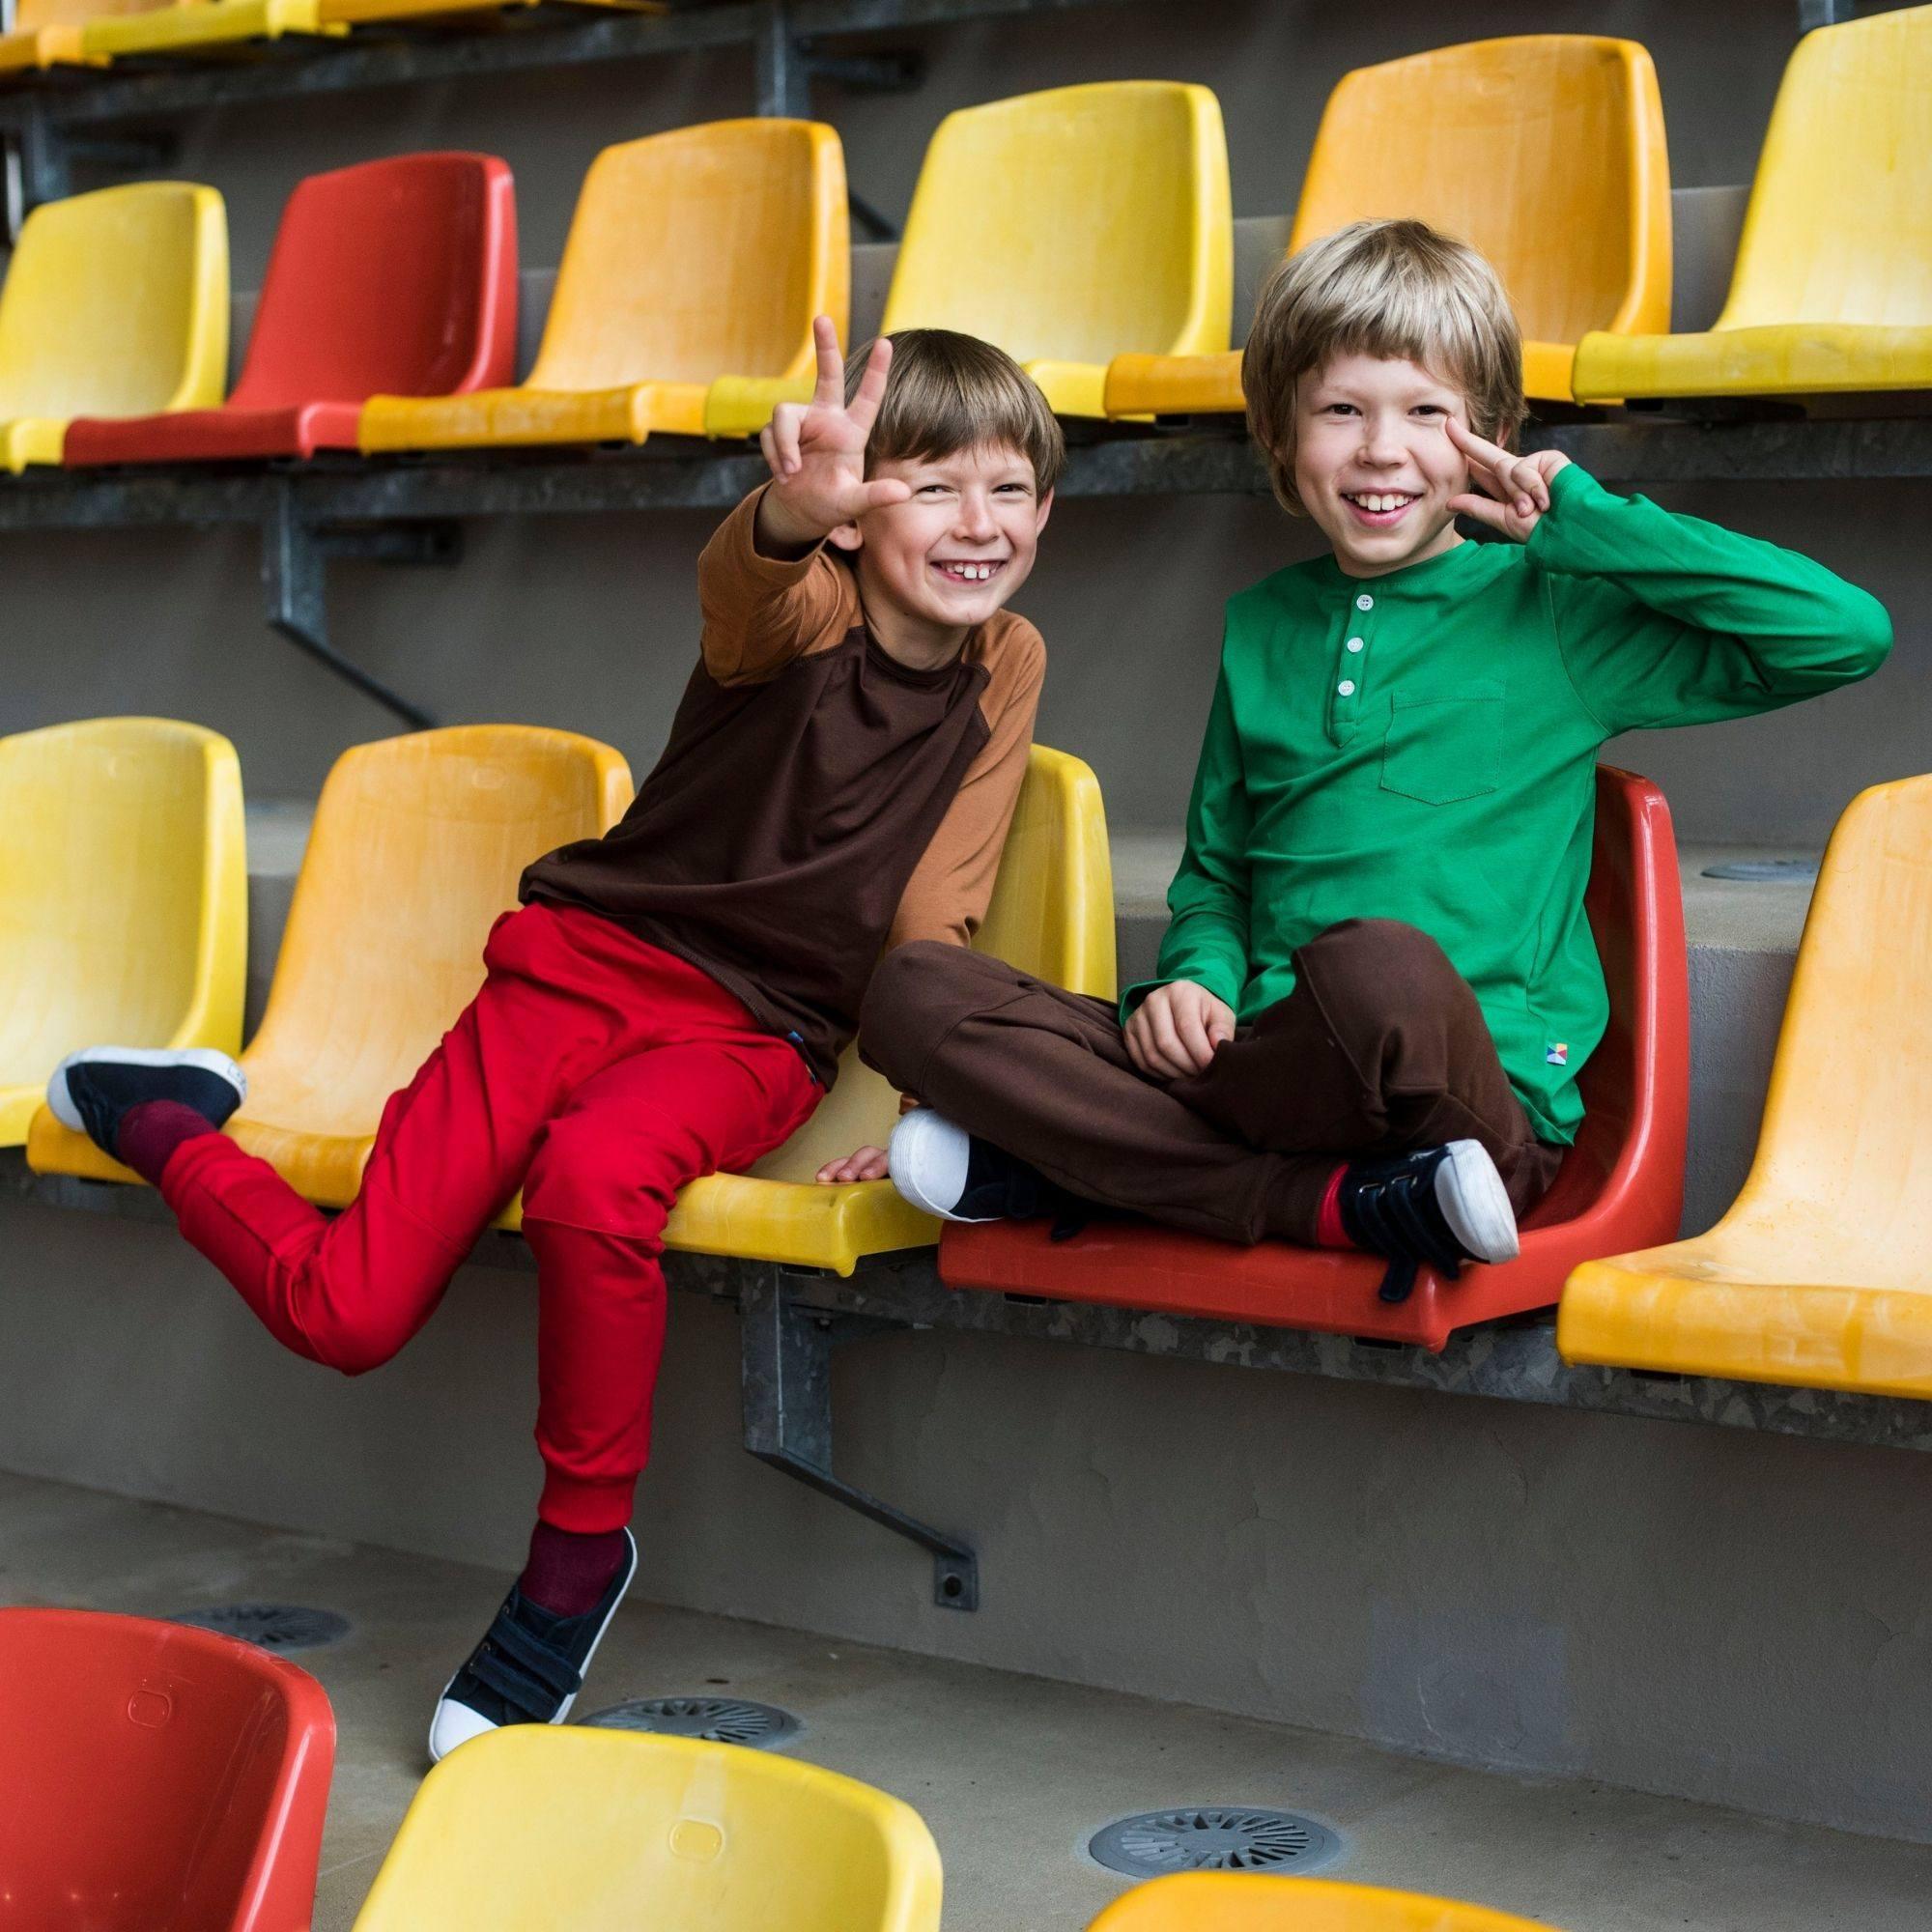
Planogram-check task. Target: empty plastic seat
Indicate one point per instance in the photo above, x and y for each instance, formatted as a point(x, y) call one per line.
point(1545, 152)
point(1052, 912)
point(46, 33)
point(530, 1829)
point(1821, 1272)
point(694, 256)
point(123, 896)
point(395, 276)
point(115, 304)
point(416, 846)
point(190, 25)
point(157, 1779)
point(1247, 1902)
point(1625, 1171)
point(1074, 226)
point(1833, 288)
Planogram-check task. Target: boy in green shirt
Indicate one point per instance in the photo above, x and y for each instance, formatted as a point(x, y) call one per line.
point(1380, 984)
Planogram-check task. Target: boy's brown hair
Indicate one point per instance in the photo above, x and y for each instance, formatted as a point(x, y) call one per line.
point(945, 392)
point(1393, 289)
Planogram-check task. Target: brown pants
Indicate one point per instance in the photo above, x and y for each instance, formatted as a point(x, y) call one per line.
point(1381, 1048)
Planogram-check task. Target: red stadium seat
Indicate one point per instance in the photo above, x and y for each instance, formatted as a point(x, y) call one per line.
point(155, 1779)
point(397, 276)
point(1620, 1187)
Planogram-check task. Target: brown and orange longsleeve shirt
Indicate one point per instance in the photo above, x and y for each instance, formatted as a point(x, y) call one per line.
point(817, 801)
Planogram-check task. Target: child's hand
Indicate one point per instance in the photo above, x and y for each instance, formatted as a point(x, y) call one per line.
point(867, 1164)
point(1516, 487)
point(1175, 1029)
point(817, 450)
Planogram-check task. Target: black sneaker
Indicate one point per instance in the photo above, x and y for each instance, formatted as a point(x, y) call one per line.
point(946, 1171)
point(1439, 1207)
point(91, 1089)
point(529, 1667)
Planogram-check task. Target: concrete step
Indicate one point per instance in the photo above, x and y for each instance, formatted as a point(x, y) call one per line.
point(1742, 938)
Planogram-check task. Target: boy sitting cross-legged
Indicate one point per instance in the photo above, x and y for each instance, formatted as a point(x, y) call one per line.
point(1380, 984)
point(672, 998)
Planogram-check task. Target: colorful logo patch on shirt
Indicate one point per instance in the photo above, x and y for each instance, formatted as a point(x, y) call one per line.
point(1557, 1055)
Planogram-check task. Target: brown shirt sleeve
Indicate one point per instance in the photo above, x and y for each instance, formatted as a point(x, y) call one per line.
point(761, 613)
point(947, 895)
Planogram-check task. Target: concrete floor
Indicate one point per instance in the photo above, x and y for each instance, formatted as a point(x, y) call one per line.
point(1014, 1774)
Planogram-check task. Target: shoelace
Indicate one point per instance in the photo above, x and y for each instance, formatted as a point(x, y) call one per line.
point(1389, 1221)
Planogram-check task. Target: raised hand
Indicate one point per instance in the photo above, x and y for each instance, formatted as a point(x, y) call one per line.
point(1514, 489)
point(818, 450)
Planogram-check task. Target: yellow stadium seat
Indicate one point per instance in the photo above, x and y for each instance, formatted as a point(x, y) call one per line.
point(694, 256)
point(1052, 913)
point(535, 1829)
point(193, 25)
point(1821, 1274)
point(123, 896)
point(416, 846)
point(114, 304)
point(1074, 226)
point(1546, 152)
point(46, 33)
point(1249, 1902)
point(1833, 289)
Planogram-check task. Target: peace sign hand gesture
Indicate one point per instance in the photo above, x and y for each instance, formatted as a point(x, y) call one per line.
point(817, 450)
point(1515, 489)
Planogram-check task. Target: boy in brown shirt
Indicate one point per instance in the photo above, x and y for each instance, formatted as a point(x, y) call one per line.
point(672, 998)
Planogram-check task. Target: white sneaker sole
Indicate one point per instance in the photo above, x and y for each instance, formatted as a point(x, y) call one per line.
point(1476, 1204)
point(926, 1159)
point(206, 1059)
point(452, 1724)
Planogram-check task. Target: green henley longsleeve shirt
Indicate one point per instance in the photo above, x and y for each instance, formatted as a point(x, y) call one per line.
point(1422, 747)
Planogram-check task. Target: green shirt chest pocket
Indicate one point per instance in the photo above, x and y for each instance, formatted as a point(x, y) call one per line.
point(1444, 744)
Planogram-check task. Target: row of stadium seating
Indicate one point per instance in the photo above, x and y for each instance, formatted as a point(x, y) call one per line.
point(696, 258)
point(1818, 1276)
point(159, 1776)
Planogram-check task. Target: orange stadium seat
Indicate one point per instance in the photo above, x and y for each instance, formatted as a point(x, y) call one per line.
point(1545, 151)
point(1625, 1171)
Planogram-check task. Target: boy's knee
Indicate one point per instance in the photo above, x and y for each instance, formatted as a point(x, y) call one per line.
point(354, 1347)
point(913, 989)
point(1375, 971)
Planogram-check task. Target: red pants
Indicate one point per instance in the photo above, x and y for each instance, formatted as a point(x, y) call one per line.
point(599, 1072)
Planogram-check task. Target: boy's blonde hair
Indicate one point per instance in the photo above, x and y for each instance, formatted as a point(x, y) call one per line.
point(1393, 289)
point(945, 392)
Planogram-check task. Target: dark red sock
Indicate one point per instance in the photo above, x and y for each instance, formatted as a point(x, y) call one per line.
point(568, 1571)
point(1328, 1230)
point(149, 1134)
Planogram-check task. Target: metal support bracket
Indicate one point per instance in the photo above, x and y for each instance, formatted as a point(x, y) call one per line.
point(788, 1395)
point(295, 561)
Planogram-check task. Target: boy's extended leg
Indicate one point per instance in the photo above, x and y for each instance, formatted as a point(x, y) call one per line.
point(599, 1190)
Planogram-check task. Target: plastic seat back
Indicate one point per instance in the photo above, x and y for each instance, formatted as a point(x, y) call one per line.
point(1625, 1173)
point(124, 896)
point(157, 1778)
point(574, 1827)
point(1546, 152)
point(701, 253)
point(397, 275)
point(417, 847)
point(1099, 219)
point(1839, 226)
point(1249, 1902)
point(1051, 913)
point(116, 303)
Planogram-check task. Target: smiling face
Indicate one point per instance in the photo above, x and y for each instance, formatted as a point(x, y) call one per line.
point(1374, 466)
point(952, 553)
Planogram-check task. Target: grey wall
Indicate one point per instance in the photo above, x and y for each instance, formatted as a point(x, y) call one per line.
point(589, 623)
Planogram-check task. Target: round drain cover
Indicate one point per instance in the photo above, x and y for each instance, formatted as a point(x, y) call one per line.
point(1766, 872)
point(274, 1626)
point(1214, 1837)
point(725, 1720)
